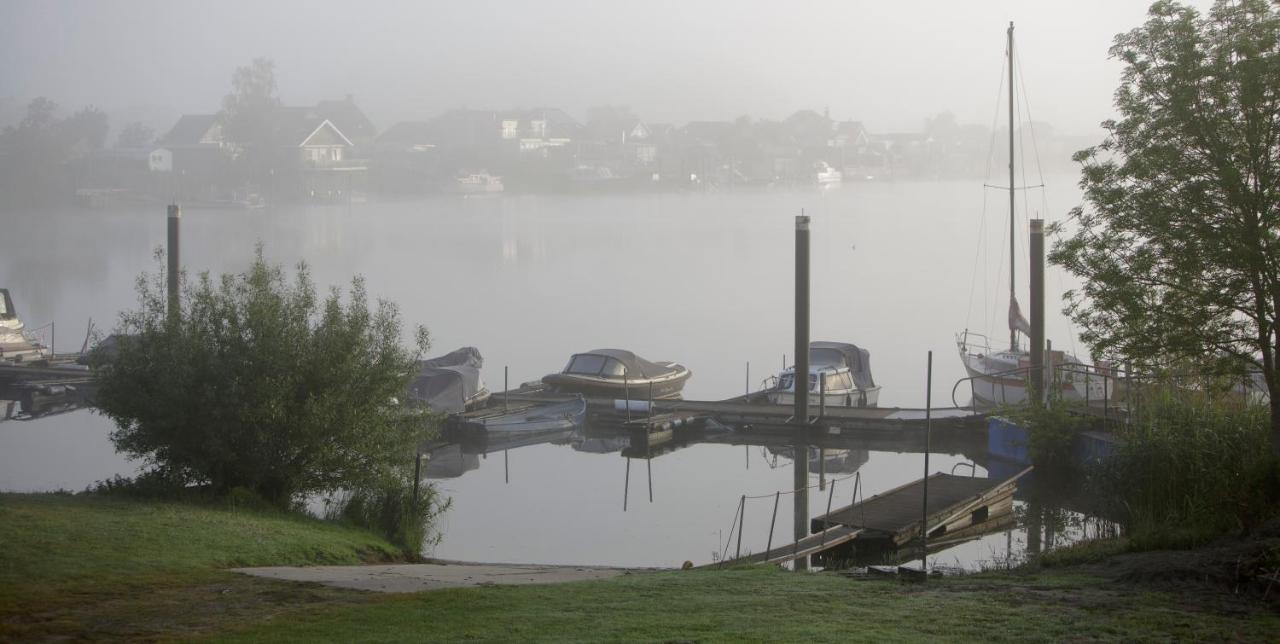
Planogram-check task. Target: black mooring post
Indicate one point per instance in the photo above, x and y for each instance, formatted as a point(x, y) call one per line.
point(928, 432)
point(417, 477)
point(175, 222)
point(801, 380)
point(1037, 394)
point(626, 486)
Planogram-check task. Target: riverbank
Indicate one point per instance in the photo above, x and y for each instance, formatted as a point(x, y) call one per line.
point(84, 566)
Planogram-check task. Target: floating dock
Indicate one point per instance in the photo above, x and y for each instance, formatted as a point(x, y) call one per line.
point(959, 507)
point(955, 503)
point(751, 413)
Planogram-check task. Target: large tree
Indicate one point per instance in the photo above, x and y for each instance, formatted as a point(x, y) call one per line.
point(1178, 241)
point(247, 114)
point(256, 383)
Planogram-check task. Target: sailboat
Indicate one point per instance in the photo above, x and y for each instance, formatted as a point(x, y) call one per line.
point(1000, 376)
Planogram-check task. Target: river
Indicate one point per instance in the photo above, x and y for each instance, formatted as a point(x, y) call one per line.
point(703, 279)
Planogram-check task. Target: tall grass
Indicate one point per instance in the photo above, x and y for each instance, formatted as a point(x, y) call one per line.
point(1190, 463)
point(390, 510)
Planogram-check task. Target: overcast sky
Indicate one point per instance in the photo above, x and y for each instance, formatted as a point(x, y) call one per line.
point(887, 63)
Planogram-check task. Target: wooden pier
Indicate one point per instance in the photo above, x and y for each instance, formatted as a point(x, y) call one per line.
point(955, 503)
point(753, 413)
point(959, 507)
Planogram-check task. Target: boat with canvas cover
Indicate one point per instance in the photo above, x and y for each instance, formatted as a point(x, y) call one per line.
point(617, 373)
point(839, 376)
point(451, 383)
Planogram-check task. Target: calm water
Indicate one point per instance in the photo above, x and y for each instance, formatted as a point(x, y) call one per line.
point(703, 279)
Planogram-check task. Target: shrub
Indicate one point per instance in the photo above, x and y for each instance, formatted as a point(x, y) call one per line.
point(258, 384)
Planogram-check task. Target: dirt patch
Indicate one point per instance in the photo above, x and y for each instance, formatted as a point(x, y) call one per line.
point(166, 611)
point(409, 578)
point(1239, 567)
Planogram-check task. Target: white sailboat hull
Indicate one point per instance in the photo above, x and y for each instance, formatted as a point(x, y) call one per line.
point(1000, 378)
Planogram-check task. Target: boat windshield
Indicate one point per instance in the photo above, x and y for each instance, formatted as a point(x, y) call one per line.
point(587, 364)
point(786, 382)
point(613, 369)
point(838, 381)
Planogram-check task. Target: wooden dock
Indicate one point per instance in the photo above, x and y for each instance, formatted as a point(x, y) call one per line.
point(960, 507)
point(955, 503)
point(753, 413)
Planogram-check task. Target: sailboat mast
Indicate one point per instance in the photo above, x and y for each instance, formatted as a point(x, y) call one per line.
point(1013, 334)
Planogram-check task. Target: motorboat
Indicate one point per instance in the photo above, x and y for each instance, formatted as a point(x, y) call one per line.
point(826, 175)
point(550, 417)
point(616, 373)
point(451, 383)
point(839, 376)
point(478, 183)
point(15, 344)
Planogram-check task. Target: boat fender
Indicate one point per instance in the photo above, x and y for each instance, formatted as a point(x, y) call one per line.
point(635, 405)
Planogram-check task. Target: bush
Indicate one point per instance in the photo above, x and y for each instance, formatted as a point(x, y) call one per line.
point(257, 384)
point(1051, 432)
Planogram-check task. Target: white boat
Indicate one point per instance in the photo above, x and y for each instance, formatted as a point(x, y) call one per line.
point(551, 417)
point(827, 175)
point(839, 376)
point(450, 384)
point(1000, 376)
point(15, 344)
point(478, 183)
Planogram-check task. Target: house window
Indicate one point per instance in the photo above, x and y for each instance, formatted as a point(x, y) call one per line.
point(335, 154)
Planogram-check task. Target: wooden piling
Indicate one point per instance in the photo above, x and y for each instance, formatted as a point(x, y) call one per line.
point(801, 380)
point(1036, 394)
point(173, 253)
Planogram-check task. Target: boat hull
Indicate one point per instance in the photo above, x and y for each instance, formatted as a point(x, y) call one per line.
point(854, 398)
point(995, 383)
point(548, 418)
point(665, 387)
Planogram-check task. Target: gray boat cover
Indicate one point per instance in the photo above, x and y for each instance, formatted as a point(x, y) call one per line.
point(634, 363)
point(842, 354)
point(444, 384)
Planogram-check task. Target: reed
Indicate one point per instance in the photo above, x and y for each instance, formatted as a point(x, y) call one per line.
point(1190, 463)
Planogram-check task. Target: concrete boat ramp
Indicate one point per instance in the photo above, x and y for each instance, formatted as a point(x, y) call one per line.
point(412, 578)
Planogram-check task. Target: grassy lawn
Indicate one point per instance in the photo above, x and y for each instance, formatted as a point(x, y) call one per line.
point(83, 567)
point(94, 566)
point(757, 603)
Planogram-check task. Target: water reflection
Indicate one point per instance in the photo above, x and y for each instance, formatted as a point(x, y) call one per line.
point(703, 279)
point(598, 495)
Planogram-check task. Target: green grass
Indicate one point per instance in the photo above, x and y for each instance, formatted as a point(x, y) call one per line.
point(761, 603)
point(68, 562)
point(88, 567)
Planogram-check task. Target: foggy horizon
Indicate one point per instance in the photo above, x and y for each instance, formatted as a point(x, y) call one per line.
point(888, 66)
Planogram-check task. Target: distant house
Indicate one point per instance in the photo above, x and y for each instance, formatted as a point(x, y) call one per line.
point(196, 130)
point(311, 157)
point(406, 159)
point(349, 119)
point(122, 173)
point(199, 156)
point(539, 129)
point(851, 134)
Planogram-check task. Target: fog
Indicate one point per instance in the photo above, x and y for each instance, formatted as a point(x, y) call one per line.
point(888, 64)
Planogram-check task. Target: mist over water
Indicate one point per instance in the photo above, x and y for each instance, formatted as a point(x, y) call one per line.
point(702, 279)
